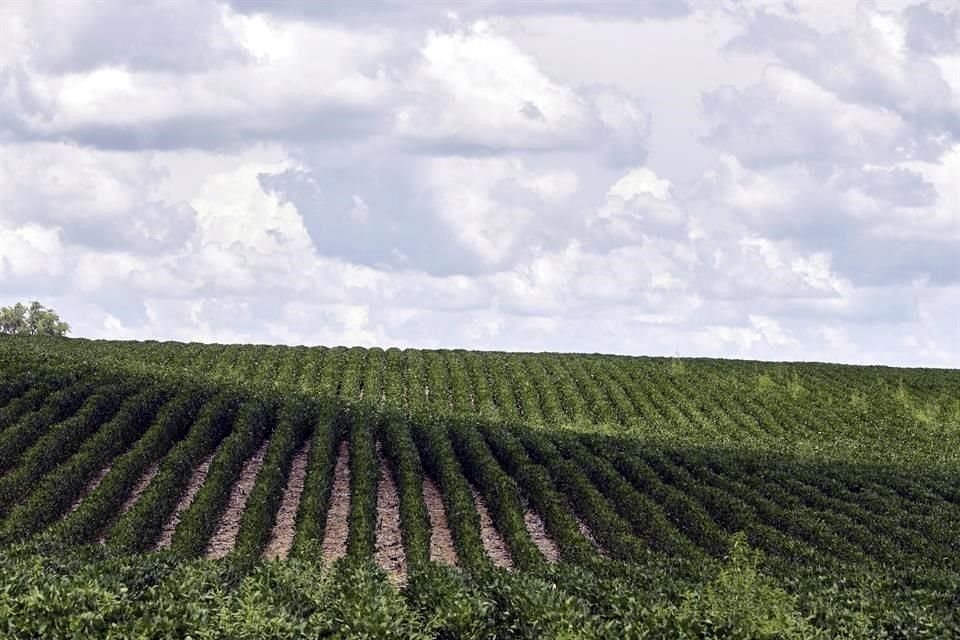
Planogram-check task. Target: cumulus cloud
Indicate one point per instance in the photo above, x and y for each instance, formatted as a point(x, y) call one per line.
point(870, 65)
point(293, 81)
point(475, 92)
point(424, 175)
point(787, 117)
point(144, 34)
point(96, 198)
point(636, 206)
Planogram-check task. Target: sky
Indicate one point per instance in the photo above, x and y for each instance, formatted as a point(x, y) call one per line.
point(774, 180)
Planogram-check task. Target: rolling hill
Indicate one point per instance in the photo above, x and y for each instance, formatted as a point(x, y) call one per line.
point(161, 489)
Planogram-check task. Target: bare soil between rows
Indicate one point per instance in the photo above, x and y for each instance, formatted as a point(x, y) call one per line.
point(388, 551)
point(337, 526)
point(196, 481)
point(442, 548)
point(225, 535)
point(588, 534)
point(493, 542)
point(281, 537)
point(538, 533)
point(90, 488)
point(131, 499)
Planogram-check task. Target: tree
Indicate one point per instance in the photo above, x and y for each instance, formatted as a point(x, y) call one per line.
point(35, 320)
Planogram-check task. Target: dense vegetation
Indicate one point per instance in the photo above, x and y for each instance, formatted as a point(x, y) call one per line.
point(31, 320)
point(684, 497)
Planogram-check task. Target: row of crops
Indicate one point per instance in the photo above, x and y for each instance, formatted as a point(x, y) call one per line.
point(628, 497)
point(813, 408)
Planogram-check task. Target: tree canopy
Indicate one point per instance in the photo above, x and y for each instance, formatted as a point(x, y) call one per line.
point(32, 320)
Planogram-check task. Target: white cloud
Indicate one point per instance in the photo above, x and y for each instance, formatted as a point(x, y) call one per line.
point(286, 172)
point(29, 250)
point(788, 118)
point(304, 76)
point(473, 198)
point(98, 198)
point(639, 204)
point(867, 63)
point(476, 92)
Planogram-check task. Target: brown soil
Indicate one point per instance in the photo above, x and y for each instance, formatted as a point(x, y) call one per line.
point(493, 542)
point(135, 494)
point(281, 538)
point(193, 486)
point(140, 487)
point(441, 542)
point(389, 546)
point(585, 530)
point(538, 532)
point(225, 535)
point(337, 527)
point(90, 488)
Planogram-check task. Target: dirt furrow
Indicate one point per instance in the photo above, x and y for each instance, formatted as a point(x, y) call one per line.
point(585, 530)
point(90, 488)
point(538, 532)
point(336, 528)
point(193, 486)
point(225, 535)
point(281, 538)
point(140, 487)
point(389, 541)
point(135, 494)
point(493, 542)
point(441, 542)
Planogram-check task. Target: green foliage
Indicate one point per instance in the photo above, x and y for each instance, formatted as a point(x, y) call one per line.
point(53, 496)
point(314, 502)
point(729, 499)
point(401, 452)
point(137, 529)
point(742, 603)
point(296, 419)
point(33, 320)
point(198, 523)
point(98, 509)
point(440, 462)
point(500, 492)
point(362, 520)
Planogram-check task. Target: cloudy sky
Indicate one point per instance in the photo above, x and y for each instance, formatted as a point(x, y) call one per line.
point(762, 179)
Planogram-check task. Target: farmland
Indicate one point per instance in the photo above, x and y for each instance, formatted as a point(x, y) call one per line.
point(153, 489)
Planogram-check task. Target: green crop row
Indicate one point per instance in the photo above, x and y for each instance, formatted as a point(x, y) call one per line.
point(253, 424)
point(100, 507)
point(724, 499)
point(93, 592)
point(56, 491)
point(330, 429)
point(139, 528)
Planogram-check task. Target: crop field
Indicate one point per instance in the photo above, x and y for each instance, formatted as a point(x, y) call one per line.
point(166, 490)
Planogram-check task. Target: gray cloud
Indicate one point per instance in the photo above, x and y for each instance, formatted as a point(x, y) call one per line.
point(896, 186)
point(372, 215)
point(379, 206)
point(864, 67)
point(297, 124)
point(392, 12)
point(154, 35)
point(932, 32)
point(383, 173)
